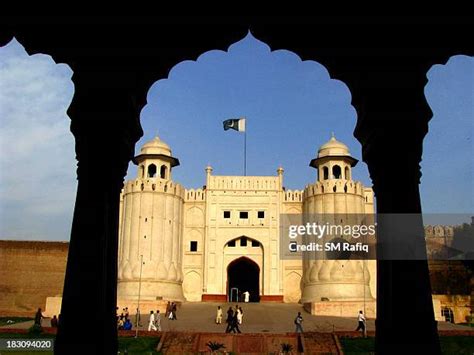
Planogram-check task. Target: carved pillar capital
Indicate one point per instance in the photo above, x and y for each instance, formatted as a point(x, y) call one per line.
point(392, 123)
point(105, 123)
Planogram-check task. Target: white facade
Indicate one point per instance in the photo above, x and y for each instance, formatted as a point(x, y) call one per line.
point(194, 242)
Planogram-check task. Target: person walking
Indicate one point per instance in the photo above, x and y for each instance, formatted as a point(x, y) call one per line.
point(170, 312)
point(230, 317)
point(235, 323)
point(151, 324)
point(239, 315)
point(298, 323)
point(54, 322)
point(361, 320)
point(174, 307)
point(168, 309)
point(38, 317)
point(158, 320)
point(219, 315)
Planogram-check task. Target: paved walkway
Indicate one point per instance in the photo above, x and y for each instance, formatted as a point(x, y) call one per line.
point(258, 318)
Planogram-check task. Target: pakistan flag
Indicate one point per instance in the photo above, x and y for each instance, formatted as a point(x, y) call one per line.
point(235, 123)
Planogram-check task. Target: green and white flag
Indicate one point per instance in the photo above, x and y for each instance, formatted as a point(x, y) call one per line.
point(235, 123)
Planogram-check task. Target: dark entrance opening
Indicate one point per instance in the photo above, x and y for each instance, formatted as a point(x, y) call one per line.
point(244, 275)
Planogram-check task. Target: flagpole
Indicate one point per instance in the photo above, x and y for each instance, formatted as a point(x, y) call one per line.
point(245, 152)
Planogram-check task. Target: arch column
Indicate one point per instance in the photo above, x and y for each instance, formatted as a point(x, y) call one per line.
point(106, 127)
point(393, 121)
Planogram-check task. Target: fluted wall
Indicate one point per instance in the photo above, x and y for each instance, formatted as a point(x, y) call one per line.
point(151, 227)
point(336, 279)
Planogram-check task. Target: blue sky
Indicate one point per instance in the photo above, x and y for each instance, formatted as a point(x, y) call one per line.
point(291, 109)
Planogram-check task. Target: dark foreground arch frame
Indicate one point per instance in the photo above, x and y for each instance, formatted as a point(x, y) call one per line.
point(115, 61)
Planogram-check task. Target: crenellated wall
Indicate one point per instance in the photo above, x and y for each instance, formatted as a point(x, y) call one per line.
point(293, 195)
point(335, 196)
point(255, 183)
point(195, 195)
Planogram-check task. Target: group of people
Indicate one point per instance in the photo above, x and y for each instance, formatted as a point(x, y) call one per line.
point(233, 320)
point(39, 317)
point(154, 321)
point(123, 320)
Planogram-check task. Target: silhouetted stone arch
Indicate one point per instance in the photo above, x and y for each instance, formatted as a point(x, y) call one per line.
point(386, 80)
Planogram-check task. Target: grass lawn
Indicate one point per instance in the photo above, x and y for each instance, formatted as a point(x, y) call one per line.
point(140, 346)
point(358, 345)
point(449, 345)
point(4, 320)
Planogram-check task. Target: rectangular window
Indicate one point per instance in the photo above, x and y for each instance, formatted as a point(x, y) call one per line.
point(226, 214)
point(261, 214)
point(193, 246)
point(244, 215)
point(255, 243)
point(231, 243)
point(243, 242)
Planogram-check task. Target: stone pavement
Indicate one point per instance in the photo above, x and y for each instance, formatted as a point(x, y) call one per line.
point(263, 318)
point(258, 318)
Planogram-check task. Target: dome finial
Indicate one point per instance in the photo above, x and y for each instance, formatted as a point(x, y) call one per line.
point(332, 135)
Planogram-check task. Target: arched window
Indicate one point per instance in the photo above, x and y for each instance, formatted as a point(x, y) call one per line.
point(151, 170)
point(347, 173)
point(336, 172)
point(163, 170)
point(326, 172)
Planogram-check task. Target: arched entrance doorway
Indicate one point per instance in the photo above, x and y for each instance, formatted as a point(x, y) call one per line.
point(243, 274)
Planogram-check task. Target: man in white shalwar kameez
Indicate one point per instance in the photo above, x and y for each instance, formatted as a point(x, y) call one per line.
point(151, 324)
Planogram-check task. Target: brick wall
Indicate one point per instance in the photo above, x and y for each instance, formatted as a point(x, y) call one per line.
point(30, 271)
